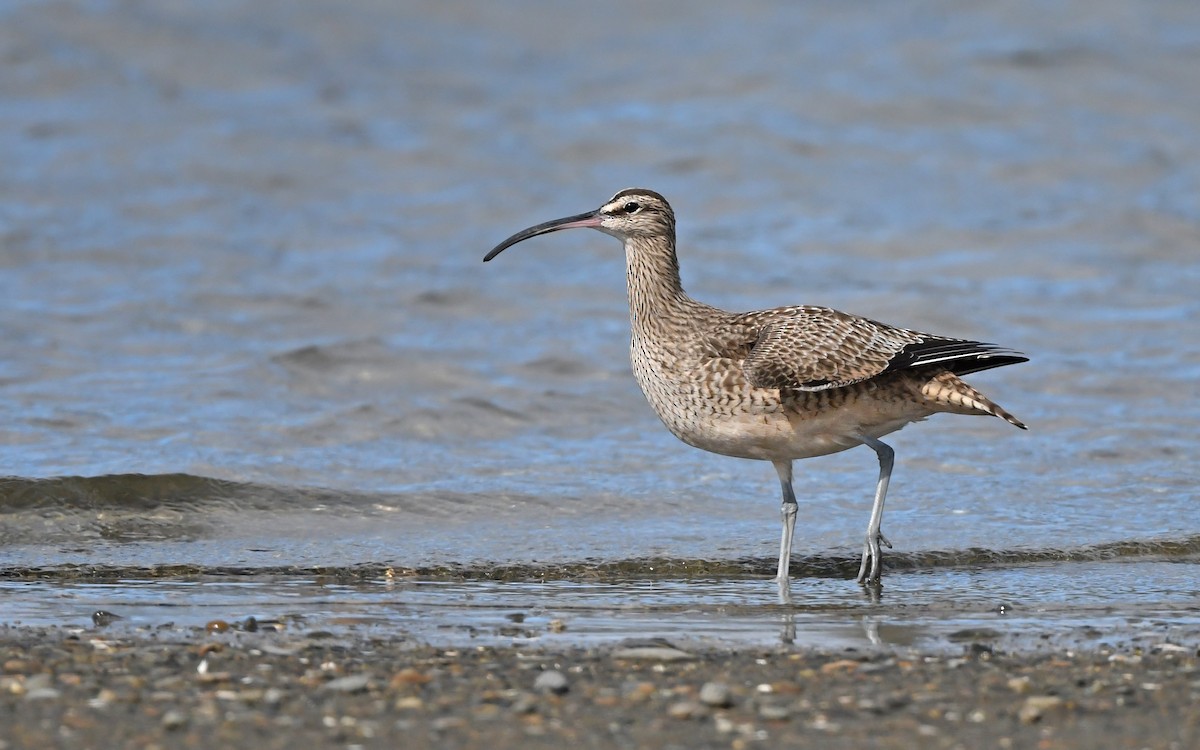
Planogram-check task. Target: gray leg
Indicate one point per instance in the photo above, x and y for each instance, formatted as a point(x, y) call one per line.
point(869, 570)
point(788, 511)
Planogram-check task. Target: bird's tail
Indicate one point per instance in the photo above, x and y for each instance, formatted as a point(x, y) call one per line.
point(955, 395)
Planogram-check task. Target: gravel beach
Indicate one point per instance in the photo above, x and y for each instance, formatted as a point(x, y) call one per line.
point(70, 688)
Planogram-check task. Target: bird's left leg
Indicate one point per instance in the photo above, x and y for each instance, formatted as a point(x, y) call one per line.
point(788, 512)
point(870, 569)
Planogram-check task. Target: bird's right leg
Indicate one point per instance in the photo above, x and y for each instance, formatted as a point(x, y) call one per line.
point(870, 569)
point(788, 512)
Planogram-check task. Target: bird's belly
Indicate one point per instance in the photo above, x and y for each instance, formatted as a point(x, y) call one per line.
point(735, 419)
point(785, 435)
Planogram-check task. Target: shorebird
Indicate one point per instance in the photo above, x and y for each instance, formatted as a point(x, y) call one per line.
point(782, 384)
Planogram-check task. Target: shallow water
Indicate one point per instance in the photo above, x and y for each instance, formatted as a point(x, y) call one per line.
point(247, 332)
point(926, 611)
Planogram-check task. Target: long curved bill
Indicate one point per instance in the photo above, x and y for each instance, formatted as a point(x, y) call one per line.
point(590, 219)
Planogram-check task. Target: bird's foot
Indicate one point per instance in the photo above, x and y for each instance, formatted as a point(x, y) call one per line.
point(871, 568)
point(785, 590)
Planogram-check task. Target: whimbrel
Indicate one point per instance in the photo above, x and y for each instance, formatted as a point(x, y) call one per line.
point(782, 384)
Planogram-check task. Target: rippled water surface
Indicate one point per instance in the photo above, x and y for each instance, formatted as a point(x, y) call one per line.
point(248, 340)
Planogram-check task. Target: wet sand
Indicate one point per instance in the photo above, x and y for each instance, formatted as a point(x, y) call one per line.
point(82, 688)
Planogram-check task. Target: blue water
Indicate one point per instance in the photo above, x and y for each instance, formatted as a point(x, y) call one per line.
point(241, 242)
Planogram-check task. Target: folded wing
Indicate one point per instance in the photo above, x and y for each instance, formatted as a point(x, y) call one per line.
point(814, 348)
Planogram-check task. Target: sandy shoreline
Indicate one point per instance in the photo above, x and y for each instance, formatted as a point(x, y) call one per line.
point(68, 688)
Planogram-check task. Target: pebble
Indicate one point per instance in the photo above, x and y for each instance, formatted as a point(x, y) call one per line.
point(1037, 706)
point(410, 676)
point(174, 720)
point(16, 665)
point(716, 694)
point(656, 653)
point(41, 693)
point(774, 712)
point(551, 681)
point(524, 703)
point(348, 684)
point(686, 710)
point(38, 682)
point(842, 665)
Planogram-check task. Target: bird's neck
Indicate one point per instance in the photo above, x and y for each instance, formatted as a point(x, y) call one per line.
point(652, 274)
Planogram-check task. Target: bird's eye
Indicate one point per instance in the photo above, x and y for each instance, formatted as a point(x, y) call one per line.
point(632, 207)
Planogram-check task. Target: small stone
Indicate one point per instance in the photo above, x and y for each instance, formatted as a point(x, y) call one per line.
point(1037, 706)
point(410, 676)
point(716, 694)
point(485, 712)
point(774, 712)
point(103, 699)
point(551, 681)
point(349, 684)
point(41, 693)
point(784, 687)
point(980, 650)
point(217, 626)
point(841, 665)
point(524, 703)
point(38, 681)
point(1173, 648)
point(16, 666)
point(556, 626)
point(174, 720)
point(638, 692)
point(409, 703)
point(876, 666)
point(1019, 685)
point(101, 617)
point(655, 653)
point(686, 710)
